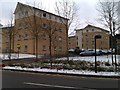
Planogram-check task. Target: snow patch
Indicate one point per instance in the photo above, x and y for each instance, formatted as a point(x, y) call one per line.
point(83, 72)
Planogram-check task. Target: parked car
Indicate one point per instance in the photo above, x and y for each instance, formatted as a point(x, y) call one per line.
point(106, 52)
point(90, 53)
point(87, 53)
point(77, 51)
point(71, 50)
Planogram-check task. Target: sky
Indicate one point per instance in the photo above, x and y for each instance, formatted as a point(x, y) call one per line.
point(87, 9)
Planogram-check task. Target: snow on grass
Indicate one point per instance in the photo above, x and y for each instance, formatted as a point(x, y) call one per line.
point(104, 58)
point(15, 56)
point(79, 72)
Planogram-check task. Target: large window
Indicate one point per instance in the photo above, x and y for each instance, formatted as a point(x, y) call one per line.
point(44, 14)
point(25, 36)
point(26, 13)
point(44, 48)
point(19, 37)
point(60, 30)
point(60, 48)
point(55, 48)
point(44, 25)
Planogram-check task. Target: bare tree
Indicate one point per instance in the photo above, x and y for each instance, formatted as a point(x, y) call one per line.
point(67, 9)
point(9, 34)
point(55, 33)
point(109, 17)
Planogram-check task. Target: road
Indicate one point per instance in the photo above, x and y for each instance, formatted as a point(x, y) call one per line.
point(12, 79)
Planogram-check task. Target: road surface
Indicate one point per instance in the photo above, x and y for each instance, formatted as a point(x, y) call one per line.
point(14, 79)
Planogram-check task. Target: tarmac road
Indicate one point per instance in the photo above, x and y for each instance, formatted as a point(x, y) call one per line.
point(14, 79)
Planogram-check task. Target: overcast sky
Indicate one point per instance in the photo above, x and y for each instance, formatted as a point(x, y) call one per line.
point(87, 9)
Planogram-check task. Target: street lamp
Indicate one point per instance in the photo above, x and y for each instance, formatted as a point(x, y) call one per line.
point(96, 37)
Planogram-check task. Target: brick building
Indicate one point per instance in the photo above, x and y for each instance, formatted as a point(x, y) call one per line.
point(72, 42)
point(6, 39)
point(49, 29)
point(85, 38)
point(0, 38)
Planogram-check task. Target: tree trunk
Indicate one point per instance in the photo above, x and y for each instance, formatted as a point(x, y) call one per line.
point(115, 54)
point(9, 45)
point(112, 49)
point(36, 47)
point(67, 42)
point(13, 43)
point(50, 49)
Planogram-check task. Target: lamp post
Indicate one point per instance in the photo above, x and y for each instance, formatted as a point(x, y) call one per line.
point(96, 37)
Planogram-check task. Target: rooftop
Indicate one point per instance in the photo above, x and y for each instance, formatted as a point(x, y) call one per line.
point(94, 27)
point(40, 10)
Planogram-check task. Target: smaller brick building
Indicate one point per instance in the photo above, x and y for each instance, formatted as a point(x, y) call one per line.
point(118, 43)
point(85, 37)
point(72, 42)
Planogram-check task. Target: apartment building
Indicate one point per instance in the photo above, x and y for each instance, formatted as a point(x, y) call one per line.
point(36, 25)
point(6, 38)
point(0, 38)
point(72, 42)
point(118, 43)
point(85, 38)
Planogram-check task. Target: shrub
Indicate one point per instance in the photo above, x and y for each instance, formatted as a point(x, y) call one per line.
point(11, 64)
point(107, 64)
point(23, 65)
point(110, 69)
point(84, 67)
point(101, 69)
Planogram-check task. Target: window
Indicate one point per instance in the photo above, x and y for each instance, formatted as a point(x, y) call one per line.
point(55, 37)
point(25, 36)
point(19, 14)
point(82, 45)
point(26, 25)
point(7, 39)
point(20, 26)
point(44, 14)
point(86, 35)
point(50, 16)
point(86, 30)
point(44, 37)
point(93, 30)
point(60, 38)
point(77, 37)
point(19, 37)
point(55, 48)
point(55, 18)
point(44, 25)
point(77, 43)
point(25, 48)
point(60, 48)
point(61, 19)
point(44, 48)
point(60, 30)
point(26, 13)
